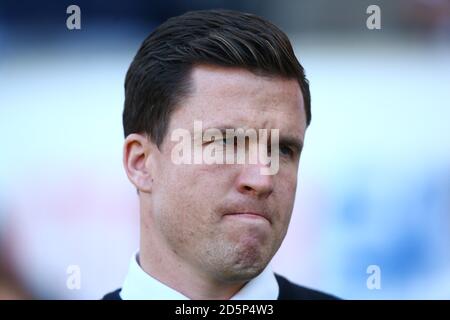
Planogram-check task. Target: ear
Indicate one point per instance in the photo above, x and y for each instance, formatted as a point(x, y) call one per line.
point(137, 153)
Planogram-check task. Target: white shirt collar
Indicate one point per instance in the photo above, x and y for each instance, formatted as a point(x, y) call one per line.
point(139, 285)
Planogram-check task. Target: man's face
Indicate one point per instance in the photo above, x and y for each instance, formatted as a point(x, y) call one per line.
point(195, 207)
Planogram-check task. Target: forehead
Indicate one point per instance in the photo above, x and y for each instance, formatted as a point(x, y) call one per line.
point(236, 97)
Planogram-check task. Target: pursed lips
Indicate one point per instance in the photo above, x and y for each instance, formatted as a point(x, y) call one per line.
point(251, 214)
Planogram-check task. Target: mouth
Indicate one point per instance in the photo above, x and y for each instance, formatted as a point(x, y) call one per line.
point(250, 215)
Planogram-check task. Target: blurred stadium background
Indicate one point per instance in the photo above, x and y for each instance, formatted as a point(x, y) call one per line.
point(374, 178)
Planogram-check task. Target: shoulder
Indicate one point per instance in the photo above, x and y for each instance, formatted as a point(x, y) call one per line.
point(112, 295)
point(292, 291)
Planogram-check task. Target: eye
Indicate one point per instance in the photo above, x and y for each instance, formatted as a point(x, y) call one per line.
point(219, 141)
point(286, 151)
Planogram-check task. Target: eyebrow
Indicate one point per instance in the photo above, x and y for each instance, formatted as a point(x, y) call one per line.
point(290, 141)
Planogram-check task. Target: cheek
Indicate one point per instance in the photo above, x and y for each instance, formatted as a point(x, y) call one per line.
point(189, 192)
point(179, 206)
point(287, 181)
point(285, 195)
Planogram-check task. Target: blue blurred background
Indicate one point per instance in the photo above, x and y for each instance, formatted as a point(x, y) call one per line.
point(374, 178)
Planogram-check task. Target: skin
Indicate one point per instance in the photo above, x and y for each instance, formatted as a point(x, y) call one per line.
point(189, 240)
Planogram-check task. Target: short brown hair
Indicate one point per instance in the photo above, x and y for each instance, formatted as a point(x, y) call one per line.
point(158, 77)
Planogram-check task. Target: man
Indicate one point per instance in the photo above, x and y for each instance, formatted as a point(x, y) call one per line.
point(209, 230)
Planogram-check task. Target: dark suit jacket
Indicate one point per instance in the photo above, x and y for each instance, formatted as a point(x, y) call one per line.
point(288, 291)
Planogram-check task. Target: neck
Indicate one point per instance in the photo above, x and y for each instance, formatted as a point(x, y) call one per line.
point(158, 260)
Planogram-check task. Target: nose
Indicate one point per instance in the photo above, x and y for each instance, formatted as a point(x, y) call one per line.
point(251, 182)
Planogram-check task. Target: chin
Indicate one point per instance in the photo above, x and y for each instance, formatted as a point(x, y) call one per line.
point(240, 259)
point(242, 273)
point(245, 265)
